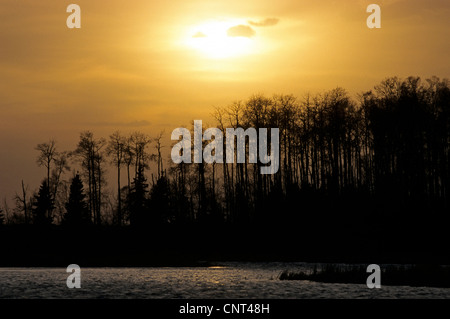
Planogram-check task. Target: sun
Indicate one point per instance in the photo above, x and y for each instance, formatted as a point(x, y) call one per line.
point(211, 40)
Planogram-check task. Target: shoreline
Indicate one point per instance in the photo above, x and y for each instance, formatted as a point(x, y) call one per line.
point(197, 246)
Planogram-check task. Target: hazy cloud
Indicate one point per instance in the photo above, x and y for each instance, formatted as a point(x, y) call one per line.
point(241, 31)
point(264, 23)
point(199, 35)
point(136, 123)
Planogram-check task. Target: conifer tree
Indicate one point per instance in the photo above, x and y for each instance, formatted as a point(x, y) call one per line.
point(137, 199)
point(43, 206)
point(77, 212)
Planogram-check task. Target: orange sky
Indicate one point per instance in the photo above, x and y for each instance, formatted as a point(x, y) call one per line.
point(147, 65)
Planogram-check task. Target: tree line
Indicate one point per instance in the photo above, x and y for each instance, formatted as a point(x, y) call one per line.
point(384, 153)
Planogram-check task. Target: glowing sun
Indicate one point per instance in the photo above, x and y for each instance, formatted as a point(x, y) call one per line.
point(215, 41)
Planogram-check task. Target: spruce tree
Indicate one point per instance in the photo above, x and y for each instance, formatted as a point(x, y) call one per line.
point(137, 200)
point(77, 212)
point(160, 201)
point(43, 206)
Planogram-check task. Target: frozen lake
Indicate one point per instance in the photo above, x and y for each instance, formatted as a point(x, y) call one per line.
point(228, 281)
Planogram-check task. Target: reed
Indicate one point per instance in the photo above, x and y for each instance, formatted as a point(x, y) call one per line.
point(391, 275)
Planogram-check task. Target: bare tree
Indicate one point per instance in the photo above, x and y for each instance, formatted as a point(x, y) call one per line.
point(128, 157)
point(22, 203)
point(47, 154)
point(7, 213)
point(61, 161)
point(89, 153)
point(116, 150)
point(139, 142)
point(159, 159)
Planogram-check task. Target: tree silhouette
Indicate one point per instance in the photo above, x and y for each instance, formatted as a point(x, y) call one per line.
point(43, 206)
point(137, 200)
point(160, 201)
point(2, 217)
point(139, 142)
point(385, 154)
point(77, 213)
point(116, 150)
point(22, 203)
point(90, 154)
point(158, 156)
point(61, 165)
point(47, 155)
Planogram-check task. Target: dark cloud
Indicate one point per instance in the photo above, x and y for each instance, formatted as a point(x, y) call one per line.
point(264, 23)
point(199, 35)
point(241, 31)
